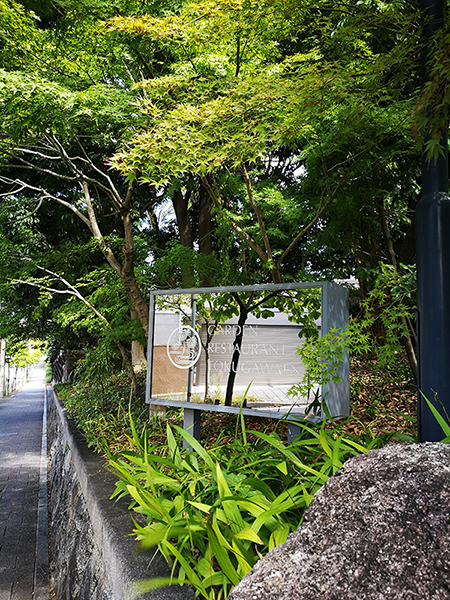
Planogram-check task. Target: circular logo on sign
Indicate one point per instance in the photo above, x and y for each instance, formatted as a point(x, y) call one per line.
point(184, 347)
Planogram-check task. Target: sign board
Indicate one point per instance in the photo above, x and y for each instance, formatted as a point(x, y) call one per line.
point(211, 344)
point(268, 354)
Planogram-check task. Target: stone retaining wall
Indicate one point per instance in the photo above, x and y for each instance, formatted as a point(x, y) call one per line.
point(91, 557)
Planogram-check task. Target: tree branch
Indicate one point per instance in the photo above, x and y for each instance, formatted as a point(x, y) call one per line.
point(72, 291)
point(243, 234)
point(45, 194)
point(111, 188)
point(258, 213)
point(305, 229)
point(37, 153)
point(28, 165)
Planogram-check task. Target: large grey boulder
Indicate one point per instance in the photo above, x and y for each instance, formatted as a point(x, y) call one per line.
point(379, 529)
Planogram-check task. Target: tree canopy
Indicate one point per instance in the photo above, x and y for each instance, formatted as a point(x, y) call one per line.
point(180, 143)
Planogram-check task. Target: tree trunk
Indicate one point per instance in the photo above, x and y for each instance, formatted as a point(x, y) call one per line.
point(138, 358)
point(124, 269)
point(136, 299)
point(275, 272)
point(204, 230)
point(180, 205)
point(236, 354)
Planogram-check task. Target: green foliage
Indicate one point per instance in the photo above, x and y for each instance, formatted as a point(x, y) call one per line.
point(32, 106)
point(322, 356)
point(20, 353)
point(387, 314)
point(444, 423)
point(48, 373)
point(316, 104)
point(99, 404)
point(177, 260)
point(99, 362)
point(101, 288)
point(318, 100)
point(214, 512)
point(430, 115)
point(66, 99)
point(285, 84)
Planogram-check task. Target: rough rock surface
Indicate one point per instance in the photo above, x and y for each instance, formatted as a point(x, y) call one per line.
point(378, 530)
point(76, 569)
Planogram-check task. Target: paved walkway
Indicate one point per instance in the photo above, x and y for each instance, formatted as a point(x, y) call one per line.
point(23, 494)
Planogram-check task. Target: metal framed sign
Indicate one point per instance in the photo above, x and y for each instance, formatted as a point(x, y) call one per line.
point(208, 345)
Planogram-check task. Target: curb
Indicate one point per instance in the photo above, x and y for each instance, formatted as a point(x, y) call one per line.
point(41, 565)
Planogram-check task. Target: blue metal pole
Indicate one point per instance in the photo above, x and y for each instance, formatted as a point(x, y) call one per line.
point(433, 268)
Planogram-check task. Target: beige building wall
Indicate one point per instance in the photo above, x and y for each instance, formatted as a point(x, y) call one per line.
point(166, 377)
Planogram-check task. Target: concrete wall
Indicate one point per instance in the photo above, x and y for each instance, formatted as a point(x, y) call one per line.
point(11, 378)
point(166, 377)
point(91, 557)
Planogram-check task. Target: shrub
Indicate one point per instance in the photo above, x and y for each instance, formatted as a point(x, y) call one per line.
point(48, 373)
point(214, 512)
point(101, 412)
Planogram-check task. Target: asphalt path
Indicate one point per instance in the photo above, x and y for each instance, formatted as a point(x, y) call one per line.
point(23, 493)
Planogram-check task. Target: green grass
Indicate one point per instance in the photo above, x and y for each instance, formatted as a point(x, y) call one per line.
point(213, 512)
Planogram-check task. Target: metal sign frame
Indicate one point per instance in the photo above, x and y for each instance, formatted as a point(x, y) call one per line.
point(334, 314)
